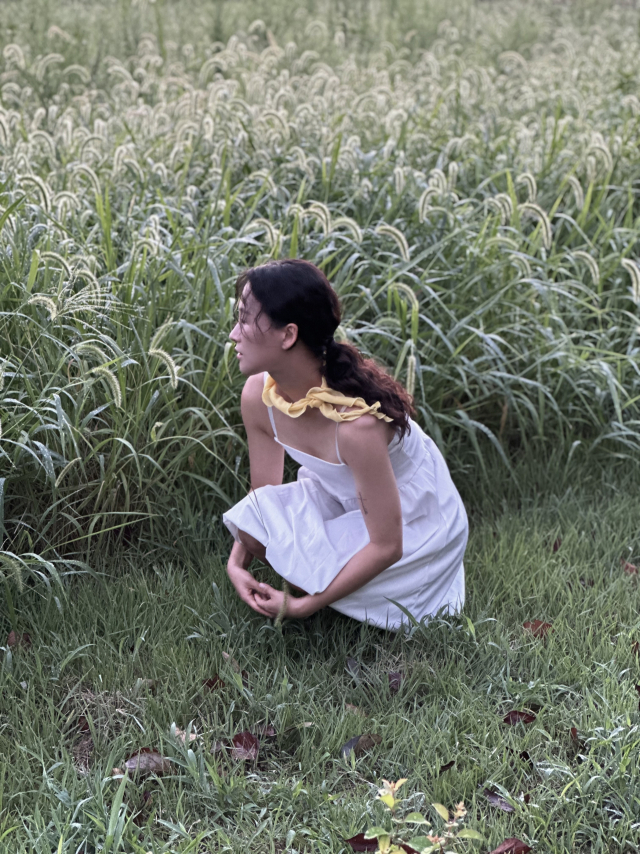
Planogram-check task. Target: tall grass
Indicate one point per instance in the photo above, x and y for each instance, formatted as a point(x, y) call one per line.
point(476, 209)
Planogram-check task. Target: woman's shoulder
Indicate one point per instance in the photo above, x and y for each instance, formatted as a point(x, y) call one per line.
point(253, 408)
point(365, 432)
point(253, 387)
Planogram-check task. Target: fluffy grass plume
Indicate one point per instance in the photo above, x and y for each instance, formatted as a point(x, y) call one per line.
point(475, 208)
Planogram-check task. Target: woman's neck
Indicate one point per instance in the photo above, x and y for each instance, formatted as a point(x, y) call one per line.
point(294, 381)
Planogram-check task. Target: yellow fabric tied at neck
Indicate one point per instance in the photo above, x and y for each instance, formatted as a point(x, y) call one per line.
point(323, 398)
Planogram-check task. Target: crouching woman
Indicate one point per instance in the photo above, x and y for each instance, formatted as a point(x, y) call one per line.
point(373, 521)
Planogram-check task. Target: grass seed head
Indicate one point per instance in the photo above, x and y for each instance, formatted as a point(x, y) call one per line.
point(397, 236)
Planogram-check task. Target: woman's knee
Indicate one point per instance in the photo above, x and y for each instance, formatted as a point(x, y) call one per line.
point(252, 545)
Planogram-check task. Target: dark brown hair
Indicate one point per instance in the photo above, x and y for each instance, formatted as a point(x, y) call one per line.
point(296, 291)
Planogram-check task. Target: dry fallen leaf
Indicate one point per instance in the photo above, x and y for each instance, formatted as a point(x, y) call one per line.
point(17, 640)
point(360, 744)
point(498, 801)
point(446, 767)
point(359, 843)
point(82, 752)
point(395, 681)
point(538, 628)
point(356, 710)
point(516, 716)
point(512, 846)
point(245, 746)
point(82, 724)
point(181, 735)
point(231, 662)
point(264, 731)
point(629, 568)
point(214, 684)
point(143, 762)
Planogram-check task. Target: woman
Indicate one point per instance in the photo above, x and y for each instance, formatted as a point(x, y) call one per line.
point(374, 518)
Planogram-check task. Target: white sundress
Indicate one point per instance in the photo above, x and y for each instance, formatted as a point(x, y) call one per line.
point(313, 526)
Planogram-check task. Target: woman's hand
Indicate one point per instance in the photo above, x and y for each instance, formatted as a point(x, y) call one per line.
point(268, 601)
point(245, 584)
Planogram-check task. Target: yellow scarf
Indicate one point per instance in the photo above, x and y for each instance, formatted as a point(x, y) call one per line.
point(323, 398)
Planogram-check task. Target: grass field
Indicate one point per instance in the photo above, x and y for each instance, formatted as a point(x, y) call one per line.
point(467, 174)
point(79, 701)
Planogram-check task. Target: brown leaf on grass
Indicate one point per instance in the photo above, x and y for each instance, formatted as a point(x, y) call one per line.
point(360, 744)
point(512, 846)
point(245, 746)
point(538, 628)
point(82, 752)
point(498, 801)
point(356, 710)
point(232, 662)
point(556, 544)
point(181, 735)
point(144, 761)
point(628, 568)
point(19, 640)
point(82, 724)
point(395, 681)
point(446, 767)
point(578, 744)
point(214, 684)
point(635, 648)
point(264, 731)
point(359, 843)
point(524, 757)
point(516, 717)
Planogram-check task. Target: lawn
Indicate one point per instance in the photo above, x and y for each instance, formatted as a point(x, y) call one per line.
point(138, 649)
point(467, 175)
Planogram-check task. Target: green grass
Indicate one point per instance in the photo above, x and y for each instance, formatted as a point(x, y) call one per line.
point(476, 209)
point(467, 174)
point(171, 623)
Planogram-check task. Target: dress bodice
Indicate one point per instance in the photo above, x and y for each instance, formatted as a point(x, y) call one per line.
point(406, 456)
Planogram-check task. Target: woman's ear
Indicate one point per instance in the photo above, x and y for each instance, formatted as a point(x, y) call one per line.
point(290, 336)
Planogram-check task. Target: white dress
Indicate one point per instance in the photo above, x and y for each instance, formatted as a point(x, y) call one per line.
point(312, 527)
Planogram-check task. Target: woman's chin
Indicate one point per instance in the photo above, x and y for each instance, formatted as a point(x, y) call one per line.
point(249, 370)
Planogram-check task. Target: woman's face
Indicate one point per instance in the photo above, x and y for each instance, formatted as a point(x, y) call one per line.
point(260, 346)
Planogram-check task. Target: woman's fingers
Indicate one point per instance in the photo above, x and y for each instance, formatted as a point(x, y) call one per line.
point(268, 590)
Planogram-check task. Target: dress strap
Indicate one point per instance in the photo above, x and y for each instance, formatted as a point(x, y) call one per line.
point(270, 411)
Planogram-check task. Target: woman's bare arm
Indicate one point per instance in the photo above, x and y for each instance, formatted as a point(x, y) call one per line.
point(266, 459)
point(363, 445)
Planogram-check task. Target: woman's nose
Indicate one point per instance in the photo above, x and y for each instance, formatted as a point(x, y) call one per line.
point(235, 333)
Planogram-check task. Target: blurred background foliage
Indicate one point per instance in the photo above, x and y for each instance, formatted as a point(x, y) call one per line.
point(467, 176)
